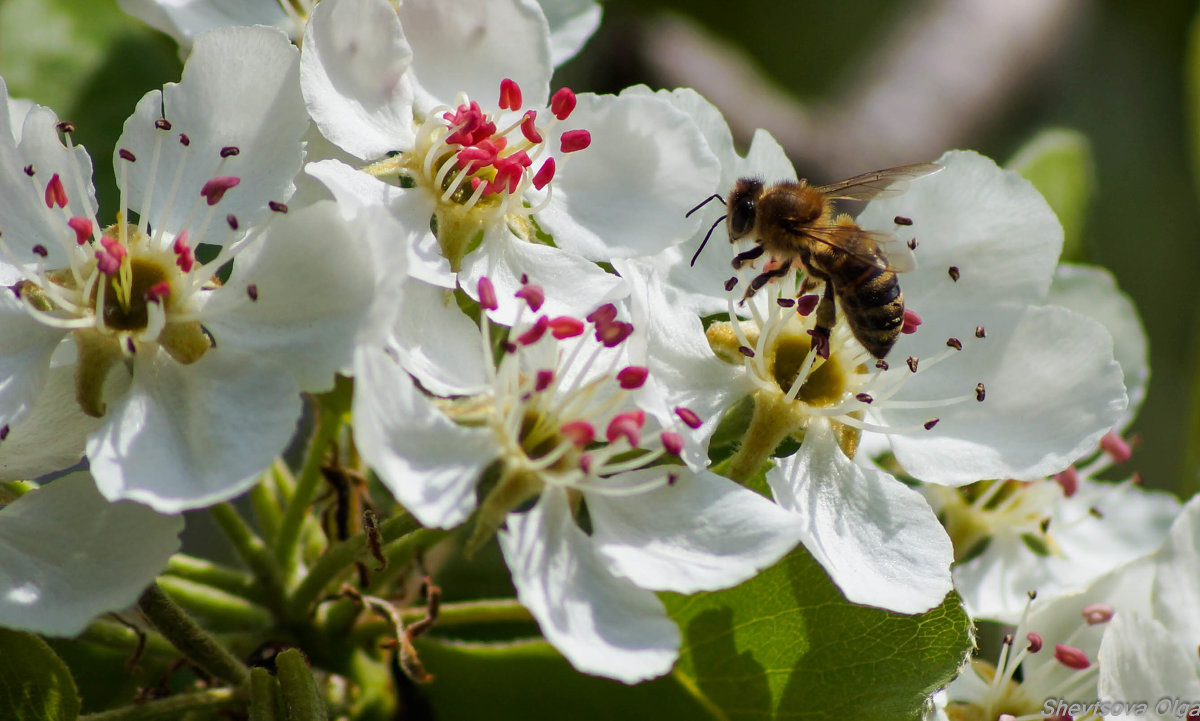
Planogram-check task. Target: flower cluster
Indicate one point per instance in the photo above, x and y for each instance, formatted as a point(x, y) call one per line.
point(505, 270)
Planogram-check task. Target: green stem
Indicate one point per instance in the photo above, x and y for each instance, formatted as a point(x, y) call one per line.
point(287, 541)
point(499, 610)
point(173, 707)
point(229, 580)
point(121, 638)
point(225, 611)
point(398, 554)
point(254, 552)
point(191, 640)
point(340, 558)
point(266, 505)
point(463, 613)
point(283, 480)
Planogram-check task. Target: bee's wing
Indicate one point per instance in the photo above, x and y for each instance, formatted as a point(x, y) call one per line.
point(900, 256)
point(879, 183)
point(883, 250)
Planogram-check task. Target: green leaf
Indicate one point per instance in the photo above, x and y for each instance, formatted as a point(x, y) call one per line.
point(35, 684)
point(786, 644)
point(530, 680)
point(1059, 163)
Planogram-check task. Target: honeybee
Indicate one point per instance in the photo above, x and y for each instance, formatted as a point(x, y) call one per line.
point(797, 222)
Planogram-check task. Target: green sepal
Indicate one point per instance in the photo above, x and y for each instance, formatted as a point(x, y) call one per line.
point(265, 702)
point(35, 685)
point(301, 697)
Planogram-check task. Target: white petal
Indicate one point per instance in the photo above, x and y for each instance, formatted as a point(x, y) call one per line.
point(1052, 390)
point(995, 585)
point(604, 625)
point(24, 218)
point(355, 79)
point(26, 347)
point(700, 283)
point(185, 19)
point(1125, 588)
point(70, 556)
point(1093, 292)
point(1060, 619)
point(354, 190)
point(469, 46)
point(877, 538)
point(239, 89)
point(314, 282)
point(701, 533)
point(53, 435)
point(386, 241)
point(429, 463)
point(989, 223)
point(1176, 584)
point(628, 193)
point(574, 286)
point(18, 110)
point(685, 370)
point(571, 23)
point(1132, 523)
point(190, 436)
point(438, 343)
point(1109, 524)
point(1140, 660)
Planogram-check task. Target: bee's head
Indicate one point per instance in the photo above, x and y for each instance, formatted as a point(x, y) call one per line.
point(742, 201)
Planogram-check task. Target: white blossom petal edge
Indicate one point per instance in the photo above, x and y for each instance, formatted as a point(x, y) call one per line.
point(70, 555)
point(877, 538)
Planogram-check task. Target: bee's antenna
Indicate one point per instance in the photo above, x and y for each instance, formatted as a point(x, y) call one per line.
point(706, 235)
point(705, 202)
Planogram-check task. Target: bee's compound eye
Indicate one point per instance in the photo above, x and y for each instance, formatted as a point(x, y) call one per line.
point(741, 220)
point(742, 207)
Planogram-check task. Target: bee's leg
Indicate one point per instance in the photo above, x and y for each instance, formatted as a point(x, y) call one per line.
point(742, 258)
point(826, 315)
point(766, 277)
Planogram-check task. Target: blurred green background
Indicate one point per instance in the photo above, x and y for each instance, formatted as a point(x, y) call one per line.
point(847, 87)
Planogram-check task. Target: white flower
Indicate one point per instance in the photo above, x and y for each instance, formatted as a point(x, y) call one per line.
point(1053, 388)
point(69, 555)
point(1049, 661)
point(1143, 660)
point(571, 22)
point(185, 387)
point(1058, 534)
point(573, 456)
point(1015, 536)
point(604, 176)
point(1153, 654)
point(185, 20)
point(992, 384)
